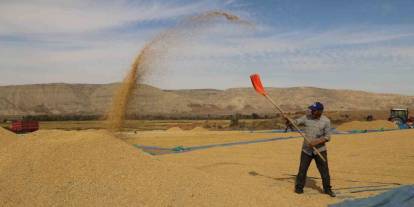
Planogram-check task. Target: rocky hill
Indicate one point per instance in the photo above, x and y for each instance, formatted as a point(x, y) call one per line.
point(94, 99)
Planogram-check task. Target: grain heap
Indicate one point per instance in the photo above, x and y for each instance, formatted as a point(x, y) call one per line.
point(366, 125)
point(91, 168)
point(199, 129)
point(174, 129)
point(6, 137)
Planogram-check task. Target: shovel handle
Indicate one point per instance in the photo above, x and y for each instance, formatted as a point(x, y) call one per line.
point(294, 125)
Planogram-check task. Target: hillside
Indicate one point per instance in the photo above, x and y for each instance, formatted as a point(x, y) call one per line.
point(94, 99)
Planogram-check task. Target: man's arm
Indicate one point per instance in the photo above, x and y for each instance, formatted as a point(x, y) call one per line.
point(290, 126)
point(326, 136)
point(319, 141)
point(298, 121)
point(327, 131)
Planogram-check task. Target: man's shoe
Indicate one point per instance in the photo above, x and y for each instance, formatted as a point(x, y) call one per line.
point(330, 193)
point(298, 190)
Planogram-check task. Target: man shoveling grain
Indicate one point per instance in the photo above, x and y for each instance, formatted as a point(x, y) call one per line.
point(317, 129)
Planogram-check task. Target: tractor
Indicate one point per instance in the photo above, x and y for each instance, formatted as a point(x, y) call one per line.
point(400, 117)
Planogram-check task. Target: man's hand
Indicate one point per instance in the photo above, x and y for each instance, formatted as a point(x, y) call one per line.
point(315, 142)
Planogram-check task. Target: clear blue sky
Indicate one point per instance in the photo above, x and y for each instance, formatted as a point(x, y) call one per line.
point(361, 45)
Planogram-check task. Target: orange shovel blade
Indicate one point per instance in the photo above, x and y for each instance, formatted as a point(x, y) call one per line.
point(257, 84)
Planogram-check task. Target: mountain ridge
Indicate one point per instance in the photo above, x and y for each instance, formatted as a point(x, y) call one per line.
point(88, 99)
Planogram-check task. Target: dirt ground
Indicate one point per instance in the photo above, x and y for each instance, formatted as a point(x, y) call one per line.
point(91, 167)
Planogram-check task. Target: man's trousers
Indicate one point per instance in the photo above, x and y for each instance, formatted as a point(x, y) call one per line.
point(322, 166)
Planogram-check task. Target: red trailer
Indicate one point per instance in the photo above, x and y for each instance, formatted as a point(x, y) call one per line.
point(24, 126)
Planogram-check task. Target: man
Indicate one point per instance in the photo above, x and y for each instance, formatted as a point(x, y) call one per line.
point(317, 129)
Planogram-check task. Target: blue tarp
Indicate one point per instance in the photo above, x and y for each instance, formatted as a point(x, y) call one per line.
point(398, 197)
point(334, 131)
point(179, 149)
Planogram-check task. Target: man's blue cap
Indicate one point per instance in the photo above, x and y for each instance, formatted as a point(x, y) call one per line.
point(317, 106)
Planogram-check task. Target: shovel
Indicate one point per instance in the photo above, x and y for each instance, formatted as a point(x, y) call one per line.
point(257, 85)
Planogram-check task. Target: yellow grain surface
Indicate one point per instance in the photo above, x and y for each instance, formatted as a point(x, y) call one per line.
point(199, 129)
point(91, 168)
point(174, 129)
point(6, 137)
point(173, 138)
point(366, 125)
point(358, 160)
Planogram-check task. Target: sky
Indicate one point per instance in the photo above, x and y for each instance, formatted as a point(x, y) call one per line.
point(359, 45)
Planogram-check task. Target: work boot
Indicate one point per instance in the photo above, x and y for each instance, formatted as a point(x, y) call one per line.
point(330, 193)
point(298, 190)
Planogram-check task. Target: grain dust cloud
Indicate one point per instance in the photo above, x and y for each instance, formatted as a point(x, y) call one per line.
point(153, 51)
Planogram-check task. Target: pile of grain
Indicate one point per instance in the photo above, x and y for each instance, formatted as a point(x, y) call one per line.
point(366, 125)
point(91, 168)
point(199, 129)
point(174, 129)
point(6, 137)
